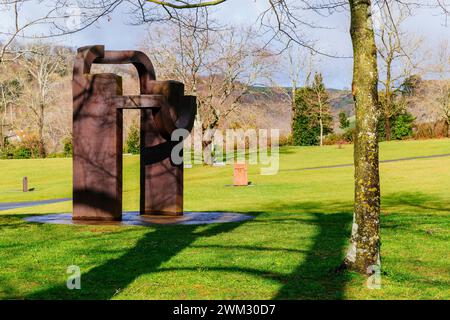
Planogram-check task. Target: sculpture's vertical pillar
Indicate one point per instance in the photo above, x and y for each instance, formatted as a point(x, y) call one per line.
point(97, 148)
point(161, 180)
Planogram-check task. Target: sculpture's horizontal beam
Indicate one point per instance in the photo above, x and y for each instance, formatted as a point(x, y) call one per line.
point(146, 101)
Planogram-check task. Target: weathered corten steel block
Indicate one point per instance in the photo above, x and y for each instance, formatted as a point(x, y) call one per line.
point(97, 136)
point(97, 149)
point(157, 169)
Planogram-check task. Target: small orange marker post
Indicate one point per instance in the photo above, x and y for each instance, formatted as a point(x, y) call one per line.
point(240, 174)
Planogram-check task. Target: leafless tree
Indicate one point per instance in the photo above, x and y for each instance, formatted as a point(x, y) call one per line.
point(442, 69)
point(299, 60)
point(398, 52)
point(321, 100)
point(43, 19)
point(11, 88)
point(31, 20)
point(44, 66)
point(217, 64)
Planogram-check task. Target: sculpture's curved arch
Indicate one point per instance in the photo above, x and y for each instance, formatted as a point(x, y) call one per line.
point(89, 55)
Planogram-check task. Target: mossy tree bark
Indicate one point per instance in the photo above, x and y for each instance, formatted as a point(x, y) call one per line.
point(364, 250)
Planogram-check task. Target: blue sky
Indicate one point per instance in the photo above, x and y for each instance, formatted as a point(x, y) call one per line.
point(116, 32)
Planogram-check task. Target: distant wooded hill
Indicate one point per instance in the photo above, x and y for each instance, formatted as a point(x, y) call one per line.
point(422, 103)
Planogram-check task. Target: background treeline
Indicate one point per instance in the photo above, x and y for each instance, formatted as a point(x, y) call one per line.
point(36, 95)
point(36, 98)
point(419, 109)
point(33, 88)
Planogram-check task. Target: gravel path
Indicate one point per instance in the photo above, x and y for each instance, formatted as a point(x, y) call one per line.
point(14, 205)
point(382, 161)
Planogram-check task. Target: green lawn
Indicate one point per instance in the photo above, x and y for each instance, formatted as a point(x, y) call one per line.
point(299, 234)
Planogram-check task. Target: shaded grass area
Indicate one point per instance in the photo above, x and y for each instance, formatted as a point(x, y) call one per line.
point(289, 251)
point(229, 261)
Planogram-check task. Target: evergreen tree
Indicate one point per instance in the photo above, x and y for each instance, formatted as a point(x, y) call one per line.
point(133, 140)
point(344, 123)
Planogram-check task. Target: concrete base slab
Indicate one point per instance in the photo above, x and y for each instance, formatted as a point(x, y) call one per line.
point(133, 218)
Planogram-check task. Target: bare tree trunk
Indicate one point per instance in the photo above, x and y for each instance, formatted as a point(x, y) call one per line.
point(364, 250)
point(387, 125)
point(293, 107)
point(320, 120)
point(447, 122)
point(388, 106)
point(2, 138)
point(207, 152)
point(3, 113)
point(207, 143)
point(41, 132)
point(321, 131)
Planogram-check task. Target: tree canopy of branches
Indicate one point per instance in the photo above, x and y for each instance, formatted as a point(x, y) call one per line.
point(10, 91)
point(217, 64)
point(44, 67)
point(442, 68)
point(397, 51)
point(33, 20)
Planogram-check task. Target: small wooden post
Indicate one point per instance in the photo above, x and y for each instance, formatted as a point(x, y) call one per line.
point(25, 184)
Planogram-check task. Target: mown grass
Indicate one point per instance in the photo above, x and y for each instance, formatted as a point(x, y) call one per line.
point(299, 234)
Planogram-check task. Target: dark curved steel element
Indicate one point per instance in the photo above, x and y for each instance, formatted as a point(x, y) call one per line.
point(98, 104)
point(87, 56)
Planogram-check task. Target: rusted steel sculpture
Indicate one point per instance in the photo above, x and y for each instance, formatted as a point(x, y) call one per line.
point(98, 106)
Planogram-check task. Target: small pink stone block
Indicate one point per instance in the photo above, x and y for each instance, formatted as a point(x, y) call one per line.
point(240, 174)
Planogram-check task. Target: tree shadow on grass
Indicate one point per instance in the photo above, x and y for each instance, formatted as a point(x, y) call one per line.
point(419, 201)
point(154, 248)
point(314, 278)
